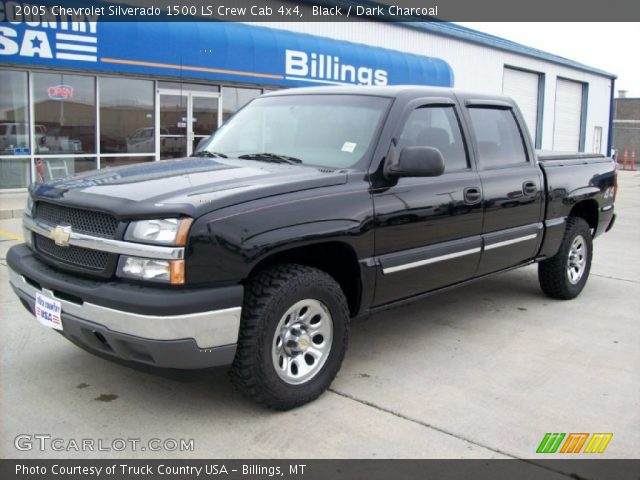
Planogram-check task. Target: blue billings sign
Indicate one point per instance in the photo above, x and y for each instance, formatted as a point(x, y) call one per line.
point(207, 50)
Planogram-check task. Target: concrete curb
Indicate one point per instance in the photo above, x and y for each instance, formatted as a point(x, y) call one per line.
point(7, 214)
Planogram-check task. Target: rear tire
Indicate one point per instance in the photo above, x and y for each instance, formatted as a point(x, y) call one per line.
point(564, 275)
point(293, 336)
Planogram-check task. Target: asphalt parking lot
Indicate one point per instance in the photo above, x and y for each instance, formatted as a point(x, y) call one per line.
point(483, 371)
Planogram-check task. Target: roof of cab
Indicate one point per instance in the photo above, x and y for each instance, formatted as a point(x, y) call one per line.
point(382, 90)
point(394, 91)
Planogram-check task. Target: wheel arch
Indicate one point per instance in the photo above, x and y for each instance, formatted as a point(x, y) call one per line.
point(337, 259)
point(587, 210)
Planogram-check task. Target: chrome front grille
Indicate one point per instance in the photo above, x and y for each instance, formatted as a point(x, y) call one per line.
point(83, 221)
point(72, 257)
point(94, 260)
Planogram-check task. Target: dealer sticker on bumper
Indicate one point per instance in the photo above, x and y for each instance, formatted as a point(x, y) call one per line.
point(48, 311)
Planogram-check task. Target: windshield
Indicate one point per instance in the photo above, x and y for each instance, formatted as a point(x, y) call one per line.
point(325, 130)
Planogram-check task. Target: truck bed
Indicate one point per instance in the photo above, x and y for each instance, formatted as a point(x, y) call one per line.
point(572, 178)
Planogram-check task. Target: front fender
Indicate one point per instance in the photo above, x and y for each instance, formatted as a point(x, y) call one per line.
point(309, 233)
point(226, 245)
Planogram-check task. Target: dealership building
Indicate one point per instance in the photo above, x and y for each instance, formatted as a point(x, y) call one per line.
point(80, 95)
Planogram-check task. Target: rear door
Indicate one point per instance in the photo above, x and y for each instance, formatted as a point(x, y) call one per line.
point(428, 229)
point(512, 185)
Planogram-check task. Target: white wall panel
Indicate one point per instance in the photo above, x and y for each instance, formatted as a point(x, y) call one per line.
point(523, 88)
point(567, 115)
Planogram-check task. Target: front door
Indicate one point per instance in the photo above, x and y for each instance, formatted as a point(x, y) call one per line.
point(428, 229)
point(186, 118)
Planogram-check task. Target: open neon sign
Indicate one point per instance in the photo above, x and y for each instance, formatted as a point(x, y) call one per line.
point(60, 92)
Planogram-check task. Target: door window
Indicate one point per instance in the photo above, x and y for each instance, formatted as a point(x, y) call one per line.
point(499, 139)
point(204, 118)
point(173, 126)
point(436, 127)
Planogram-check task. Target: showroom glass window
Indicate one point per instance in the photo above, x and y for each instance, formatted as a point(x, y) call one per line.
point(126, 116)
point(65, 121)
point(14, 130)
point(65, 112)
point(233, 99)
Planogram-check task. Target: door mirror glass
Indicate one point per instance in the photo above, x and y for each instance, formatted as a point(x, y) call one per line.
point(415, 162)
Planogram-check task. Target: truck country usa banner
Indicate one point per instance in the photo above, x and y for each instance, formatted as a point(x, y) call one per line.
point(210, 51)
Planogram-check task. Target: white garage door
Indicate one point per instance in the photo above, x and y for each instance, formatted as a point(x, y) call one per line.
point(523, 88)
point(568, 116)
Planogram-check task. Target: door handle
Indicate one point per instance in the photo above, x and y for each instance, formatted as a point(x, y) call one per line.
point(472, 195)
point(529, 188)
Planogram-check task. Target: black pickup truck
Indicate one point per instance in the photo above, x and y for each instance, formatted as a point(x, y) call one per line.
point(307, 208)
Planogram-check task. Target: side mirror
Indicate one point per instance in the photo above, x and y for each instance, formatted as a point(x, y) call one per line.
point(415, 162)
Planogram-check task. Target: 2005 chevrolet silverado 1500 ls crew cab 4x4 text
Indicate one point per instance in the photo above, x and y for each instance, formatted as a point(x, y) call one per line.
point(307, 208)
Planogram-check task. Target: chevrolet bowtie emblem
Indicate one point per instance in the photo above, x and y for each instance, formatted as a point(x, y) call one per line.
point(61, 235)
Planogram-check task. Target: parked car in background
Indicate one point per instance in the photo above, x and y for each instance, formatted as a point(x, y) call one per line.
point(143, 141)
point(15, 135)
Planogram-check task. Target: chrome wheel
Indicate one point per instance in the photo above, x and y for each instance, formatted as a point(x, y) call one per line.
point(302, 341)
point(577, 261)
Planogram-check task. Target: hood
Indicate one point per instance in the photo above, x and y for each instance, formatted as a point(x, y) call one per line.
point(188, 186)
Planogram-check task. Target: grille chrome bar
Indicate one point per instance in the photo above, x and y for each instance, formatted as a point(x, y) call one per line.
point(107, 244)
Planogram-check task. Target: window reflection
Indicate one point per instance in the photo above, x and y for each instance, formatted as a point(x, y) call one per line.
point(233, 99)
point(14, 129)
point(121, 161)
point(50, 168)
point(126, 116)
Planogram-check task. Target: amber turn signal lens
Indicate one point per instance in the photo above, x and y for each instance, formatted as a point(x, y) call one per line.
point(176, 273)
point(183, 231)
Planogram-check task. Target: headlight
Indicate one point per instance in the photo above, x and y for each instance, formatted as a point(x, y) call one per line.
point(168, 231)
point(164, 271)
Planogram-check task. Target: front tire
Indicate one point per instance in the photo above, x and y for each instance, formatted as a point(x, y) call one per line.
point(564, 275)
point(293, 336)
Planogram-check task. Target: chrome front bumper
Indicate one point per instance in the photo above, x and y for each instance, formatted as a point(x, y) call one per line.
point(209, 329)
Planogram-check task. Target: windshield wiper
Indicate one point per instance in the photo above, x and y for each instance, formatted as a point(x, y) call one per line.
point(206, 153)
point(271, 157)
